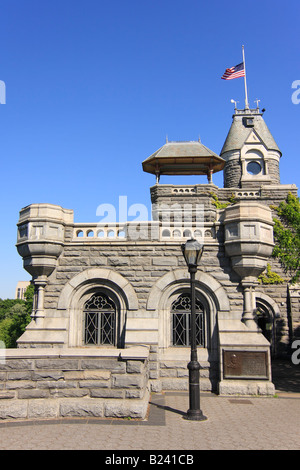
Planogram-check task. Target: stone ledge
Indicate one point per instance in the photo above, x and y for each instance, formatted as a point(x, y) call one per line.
point(138, 352)
point(246, 387)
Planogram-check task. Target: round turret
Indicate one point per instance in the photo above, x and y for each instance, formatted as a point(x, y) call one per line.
point(250, 151)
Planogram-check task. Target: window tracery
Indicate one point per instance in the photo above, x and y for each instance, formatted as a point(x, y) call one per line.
point(100, 320)
point(181, 321)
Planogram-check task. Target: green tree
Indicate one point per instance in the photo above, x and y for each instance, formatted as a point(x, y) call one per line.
point(7, 304)
point(287, 236)
point(12, 327)
point(14, 317)
point(29, 294)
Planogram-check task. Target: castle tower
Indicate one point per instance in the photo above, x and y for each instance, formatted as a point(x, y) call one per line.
point(251, 153)
point(182, 158)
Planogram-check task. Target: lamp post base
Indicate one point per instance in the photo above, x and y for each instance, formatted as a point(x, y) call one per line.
point(195, 415)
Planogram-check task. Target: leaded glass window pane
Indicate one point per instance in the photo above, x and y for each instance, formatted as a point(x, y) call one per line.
point(181, 327)
point(91, 327)
point(100, 320)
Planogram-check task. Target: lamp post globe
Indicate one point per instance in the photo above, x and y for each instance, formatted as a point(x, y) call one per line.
point(192, 251)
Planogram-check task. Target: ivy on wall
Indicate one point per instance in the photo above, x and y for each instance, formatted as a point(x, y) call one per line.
point(222, 205)
point(287, 236)
point(270, 277)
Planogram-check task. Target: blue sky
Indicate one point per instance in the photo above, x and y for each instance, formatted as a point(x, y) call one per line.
point(93, 87)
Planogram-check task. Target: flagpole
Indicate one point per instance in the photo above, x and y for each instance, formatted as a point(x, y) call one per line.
point(245, 81)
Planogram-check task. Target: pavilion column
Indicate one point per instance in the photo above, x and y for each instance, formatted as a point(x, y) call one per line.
point(209, 174)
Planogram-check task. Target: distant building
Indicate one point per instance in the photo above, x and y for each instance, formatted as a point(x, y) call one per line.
point(21, 289)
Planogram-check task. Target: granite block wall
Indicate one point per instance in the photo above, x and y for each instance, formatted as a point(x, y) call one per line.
point(51, 385)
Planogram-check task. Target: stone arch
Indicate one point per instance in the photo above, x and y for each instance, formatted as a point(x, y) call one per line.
point(267, 322)
point(268, 300)
point(171, 284)
point(203, 280)
point(77, 290)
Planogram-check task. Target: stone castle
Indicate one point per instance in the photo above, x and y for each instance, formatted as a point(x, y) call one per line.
point(111, 313)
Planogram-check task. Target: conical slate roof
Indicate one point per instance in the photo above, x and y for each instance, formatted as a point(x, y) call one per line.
point(183, 158)
point(240, 131)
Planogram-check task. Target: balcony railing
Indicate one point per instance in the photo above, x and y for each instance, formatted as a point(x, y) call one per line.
point(118, 232)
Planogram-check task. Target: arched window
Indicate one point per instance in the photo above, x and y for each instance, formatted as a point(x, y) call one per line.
point(166, 233)
point(254, 163)
point(100, 320)
point(181, 321)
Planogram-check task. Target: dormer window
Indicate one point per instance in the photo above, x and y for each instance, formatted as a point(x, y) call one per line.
point(253, 164)
point(248, 121)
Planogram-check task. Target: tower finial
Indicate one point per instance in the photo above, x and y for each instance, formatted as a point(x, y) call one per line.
point(235, 102)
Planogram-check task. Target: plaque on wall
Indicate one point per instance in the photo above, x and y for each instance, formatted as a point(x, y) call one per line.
point(245, 365)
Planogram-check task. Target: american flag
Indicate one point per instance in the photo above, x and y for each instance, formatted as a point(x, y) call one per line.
point(234, 72)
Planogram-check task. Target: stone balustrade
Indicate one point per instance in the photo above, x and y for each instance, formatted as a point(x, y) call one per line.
point(141, 231)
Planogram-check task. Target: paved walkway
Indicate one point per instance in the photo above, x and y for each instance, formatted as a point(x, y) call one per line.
point(233, 423)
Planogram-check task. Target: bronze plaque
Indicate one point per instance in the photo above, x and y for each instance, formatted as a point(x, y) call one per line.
point(245, 364)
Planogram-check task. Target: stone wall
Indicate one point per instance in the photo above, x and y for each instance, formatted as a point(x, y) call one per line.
point(232, 173)
point(142, 264)
point(139, 262)
point(174, 375)
point(273, 166)
point(51, 384)
point(294, 310)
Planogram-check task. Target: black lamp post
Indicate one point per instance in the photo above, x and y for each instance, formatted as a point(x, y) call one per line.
point(192, 251)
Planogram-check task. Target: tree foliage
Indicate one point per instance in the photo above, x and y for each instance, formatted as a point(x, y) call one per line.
point(287, 236)
point(29, 293)
point(14, 317)
point(6, 305)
